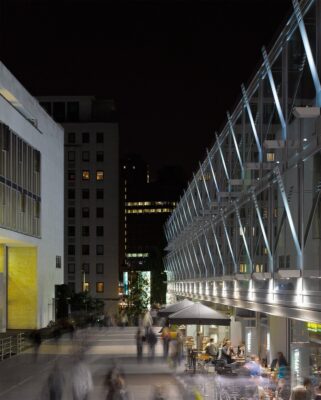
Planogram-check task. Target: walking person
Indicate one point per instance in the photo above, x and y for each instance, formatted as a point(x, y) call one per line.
point(37, 340)
point(166, 340)
point(151, 341)
point(82, 382)
point(139, 344)
point(55, 384)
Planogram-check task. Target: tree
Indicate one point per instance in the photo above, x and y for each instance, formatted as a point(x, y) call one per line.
point(138, 294)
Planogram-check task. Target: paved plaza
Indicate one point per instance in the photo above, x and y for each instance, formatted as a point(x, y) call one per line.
point(24, 376)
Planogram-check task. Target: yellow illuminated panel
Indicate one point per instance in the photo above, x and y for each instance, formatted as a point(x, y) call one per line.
point(313, 327)
point(85, 287)
point(22, 288)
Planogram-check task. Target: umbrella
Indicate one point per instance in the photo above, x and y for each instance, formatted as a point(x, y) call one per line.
point(198, 314)
point(173, 308)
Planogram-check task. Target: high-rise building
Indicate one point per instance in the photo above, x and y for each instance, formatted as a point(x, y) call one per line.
point(91, 194)
point(146, 205)
point(31, 208)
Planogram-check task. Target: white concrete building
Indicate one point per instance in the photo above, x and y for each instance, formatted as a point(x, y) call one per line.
point(31, 208)
point(91, 194)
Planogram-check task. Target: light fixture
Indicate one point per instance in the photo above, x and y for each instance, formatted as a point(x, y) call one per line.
point(306, 112)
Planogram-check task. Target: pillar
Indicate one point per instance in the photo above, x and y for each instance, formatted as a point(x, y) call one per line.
point(278, 337)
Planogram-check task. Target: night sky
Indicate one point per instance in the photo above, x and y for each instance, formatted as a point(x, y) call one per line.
point(173, 67)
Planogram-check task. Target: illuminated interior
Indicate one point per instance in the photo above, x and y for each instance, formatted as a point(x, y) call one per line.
point(22, 288)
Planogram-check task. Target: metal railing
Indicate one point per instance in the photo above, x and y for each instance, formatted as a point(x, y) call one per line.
point(12, 345)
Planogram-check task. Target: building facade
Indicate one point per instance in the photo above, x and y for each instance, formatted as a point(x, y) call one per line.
point(31, 208)
point(91, 194)
point(247, 232)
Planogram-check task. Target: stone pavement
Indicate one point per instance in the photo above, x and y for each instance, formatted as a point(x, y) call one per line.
point(24, 376)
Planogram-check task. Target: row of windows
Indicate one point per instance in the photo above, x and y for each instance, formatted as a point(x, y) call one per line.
point(148, 210)
point(85, 194)
point(85, 268)
point(86, 175)
point(85, 231)
point(85, 249)
point(150, 203)
point(100, 287)
point(85, 212)
point(85, 156)
point(85, 137)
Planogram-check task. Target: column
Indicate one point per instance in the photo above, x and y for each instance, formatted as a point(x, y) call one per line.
point(3, 289)
point(278, 337)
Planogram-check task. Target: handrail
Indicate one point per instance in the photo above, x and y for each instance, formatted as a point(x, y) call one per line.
point(11, 345)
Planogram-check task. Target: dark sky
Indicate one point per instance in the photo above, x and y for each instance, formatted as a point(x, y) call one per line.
point(173, 67)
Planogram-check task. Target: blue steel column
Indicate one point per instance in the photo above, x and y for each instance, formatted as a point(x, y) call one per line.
point(249, 111)
point(274, 92)
point(308, 51)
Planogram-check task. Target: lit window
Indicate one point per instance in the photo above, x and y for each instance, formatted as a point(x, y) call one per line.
point(100, 175)
point(85, 175)
point(86, 287)
point(100, 287)
point(269, 157)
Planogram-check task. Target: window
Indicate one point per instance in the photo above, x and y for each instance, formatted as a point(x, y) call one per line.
point(71, 231)
point(99, 231)
point(71, 156)
point(99, 194)
point(71, 137)
point(85, 156)
point(71, 268)
point(85, 193)
point(71, 176)
point(85, 268)
point(71, 250)
point(99, 137)
point(85, 212)
point(100, 287)
point(85, 137)
point(99, 175)
point(59, 111)
point(71, 212)
point(99, 249)
point(99, 212)
point(269, 157)
point(86, 287)
point(99, 268)
point(85, 249)
point(100, 156)
point(58, 261)
point(85, 175)
point(72, 111)
point(71, 194)
point(85, 230)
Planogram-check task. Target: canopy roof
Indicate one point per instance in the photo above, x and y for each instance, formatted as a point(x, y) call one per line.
point(173, 308)
point(198, 314)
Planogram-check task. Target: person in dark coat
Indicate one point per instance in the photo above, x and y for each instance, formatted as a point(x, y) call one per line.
point(151, 341)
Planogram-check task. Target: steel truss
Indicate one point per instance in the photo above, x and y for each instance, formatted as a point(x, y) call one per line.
point(252, 212)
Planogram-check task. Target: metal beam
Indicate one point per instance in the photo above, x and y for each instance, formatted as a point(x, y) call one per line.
point(222, 158)
point(289, 215)
point(308, 51)
point(209, 253)
point(198, 192)
point(274, 92)
point(212, 171)
point(249, 111)
point(205, 185)
point(202, 256)
point(243, 236)
point(229, 243)
point(229, 120)
point(218, 249)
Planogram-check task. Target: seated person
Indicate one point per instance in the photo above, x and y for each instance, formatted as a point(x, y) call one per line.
point(253, 366)
point(211, 349)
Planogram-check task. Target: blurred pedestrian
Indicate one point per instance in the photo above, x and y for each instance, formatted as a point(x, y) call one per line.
point(147, 322)
point(166, 339)
point(123, 319)
point(151, 341)
point(82, 383)
point(139, 344)
point(37, 340)
point(54, 386)
point(159, 393)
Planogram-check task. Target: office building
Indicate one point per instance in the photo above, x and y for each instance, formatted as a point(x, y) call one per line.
point(31, 208)
point(91, 194)
point(246, 233)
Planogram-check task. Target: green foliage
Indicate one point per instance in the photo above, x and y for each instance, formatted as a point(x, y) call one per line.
point(138, 296)
point(83, 301)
